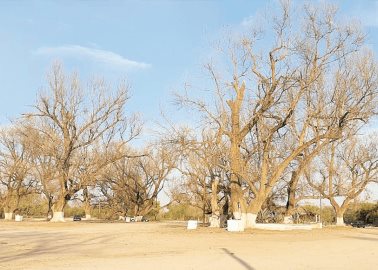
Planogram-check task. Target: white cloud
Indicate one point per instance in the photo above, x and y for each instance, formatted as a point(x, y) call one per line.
point(102, 56)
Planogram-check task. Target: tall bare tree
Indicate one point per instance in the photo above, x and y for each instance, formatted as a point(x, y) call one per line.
point(71, 117)
point(317, 83)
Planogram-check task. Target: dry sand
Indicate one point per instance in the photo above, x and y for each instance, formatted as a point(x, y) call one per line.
point(80, 245)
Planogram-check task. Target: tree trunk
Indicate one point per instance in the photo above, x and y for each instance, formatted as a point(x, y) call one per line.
point(49, 208)
point(215, 213)
point(58, 216)
point(339, 211)
point(58, 210)
point(225, 213)
point(87, 204)
point(204, 203)
point(250, 220)
point(252, 211)
point(340, 217)
point(237, 202)
point(87, 209)
point(8, 215)
point(291, 199)
point(340, 221)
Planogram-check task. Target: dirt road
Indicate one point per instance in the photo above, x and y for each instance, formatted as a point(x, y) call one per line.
point(42, 245)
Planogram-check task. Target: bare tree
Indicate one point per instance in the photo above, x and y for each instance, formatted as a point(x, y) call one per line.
point(203, 167)
point(316, 83)
point(70, 118)
point(297, 187)
point(42, 163)
point(93, 163)
point(15, 174)
point(344, 172)
point(131, 185)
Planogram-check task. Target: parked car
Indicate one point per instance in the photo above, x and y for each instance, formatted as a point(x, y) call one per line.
point(358, 224)
point(77, 218)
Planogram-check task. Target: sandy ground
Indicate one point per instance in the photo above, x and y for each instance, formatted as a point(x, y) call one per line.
point(80, 245)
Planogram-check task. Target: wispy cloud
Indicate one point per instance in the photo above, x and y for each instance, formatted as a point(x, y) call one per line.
point(102, 56)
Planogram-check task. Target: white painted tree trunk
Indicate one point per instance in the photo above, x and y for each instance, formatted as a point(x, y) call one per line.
point(340, 221)
point(223, 221)
point(288, 220)
point(250, 220)
point(244, 220)
point(88, 216)
point(237, 215)
point(58, 217)
point(214, 221)
point(8, 216)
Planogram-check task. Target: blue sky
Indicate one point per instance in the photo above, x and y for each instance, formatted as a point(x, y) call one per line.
point(156, 45)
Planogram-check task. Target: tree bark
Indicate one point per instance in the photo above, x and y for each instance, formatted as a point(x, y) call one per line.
point(339, 210)
point(250, 220)
point(8, 215)
point(340, 216)
point(87, 205)
point(238, 204)
point(215, 213)
point(253, 211)
point(50, 212)
point(291, 199)
point(58, 210)
point(340, 220)
point(88, 215)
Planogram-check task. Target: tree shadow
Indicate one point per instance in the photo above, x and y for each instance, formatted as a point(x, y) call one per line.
point(366, 238)
point(239, 260)
point(46, 243)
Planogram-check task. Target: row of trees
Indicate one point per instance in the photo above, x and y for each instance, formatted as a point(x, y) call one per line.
point(75, 146)
point(282, 123)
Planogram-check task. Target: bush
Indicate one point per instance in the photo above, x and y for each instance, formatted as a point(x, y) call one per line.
point(327, 214)
point(74, 211)
point(33, 205)
point(183, 212)
point(367, 212)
